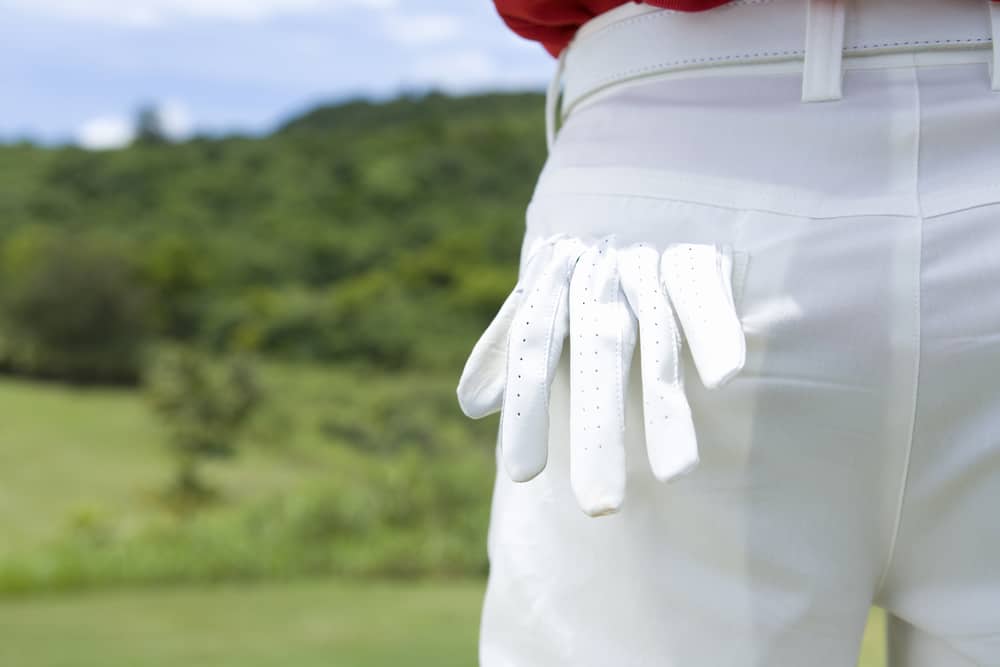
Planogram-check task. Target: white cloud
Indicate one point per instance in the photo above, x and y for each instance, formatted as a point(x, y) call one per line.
point(106, 132)
point(150, 13)
point(422, 29)
point(456, 70)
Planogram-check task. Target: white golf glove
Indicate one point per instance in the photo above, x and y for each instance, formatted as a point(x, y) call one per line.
point(600, 295)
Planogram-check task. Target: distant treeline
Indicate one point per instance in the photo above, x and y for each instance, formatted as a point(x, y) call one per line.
point(383, 234)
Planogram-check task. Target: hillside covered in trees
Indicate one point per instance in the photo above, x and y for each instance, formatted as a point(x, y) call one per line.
point(361, 233)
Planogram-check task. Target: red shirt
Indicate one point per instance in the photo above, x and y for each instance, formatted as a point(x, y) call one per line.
point(553, 22)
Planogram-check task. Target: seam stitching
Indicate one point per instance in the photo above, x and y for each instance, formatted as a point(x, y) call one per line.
point(714, 200)
point(767, 54)
point(901, 497)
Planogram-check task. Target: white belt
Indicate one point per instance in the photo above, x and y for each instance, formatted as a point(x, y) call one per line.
point(637, 41)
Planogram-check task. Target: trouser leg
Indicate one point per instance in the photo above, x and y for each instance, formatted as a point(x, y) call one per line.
point(909, 646)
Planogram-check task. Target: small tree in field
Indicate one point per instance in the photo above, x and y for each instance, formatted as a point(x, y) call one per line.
point(205, 408)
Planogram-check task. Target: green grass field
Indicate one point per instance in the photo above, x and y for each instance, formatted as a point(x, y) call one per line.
point(66, 452)
point(290, 625)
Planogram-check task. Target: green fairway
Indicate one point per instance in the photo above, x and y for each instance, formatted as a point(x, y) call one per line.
point(67, 452)
point(63, 450)
point(291, 625)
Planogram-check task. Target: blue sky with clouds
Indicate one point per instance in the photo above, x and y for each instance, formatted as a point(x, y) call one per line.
point(75, 70)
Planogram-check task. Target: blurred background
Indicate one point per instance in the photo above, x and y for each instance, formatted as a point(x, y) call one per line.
point(245, 249)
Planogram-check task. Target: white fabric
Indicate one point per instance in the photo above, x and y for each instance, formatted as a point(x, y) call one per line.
point(994, 6)
point(842, 448)
point(636, 41)
point(822, 73)
point(552, 98)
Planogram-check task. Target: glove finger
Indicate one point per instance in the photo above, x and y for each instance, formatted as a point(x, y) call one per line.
point(480, 388)
point(698, 280)
point(535, 343)
point(603, 334)
point(481, 385)
point(670, 436)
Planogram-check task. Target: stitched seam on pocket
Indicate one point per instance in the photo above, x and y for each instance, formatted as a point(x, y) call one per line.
point(711, 192)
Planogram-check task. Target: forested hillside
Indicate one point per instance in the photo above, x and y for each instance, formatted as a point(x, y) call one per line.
point(378, 233)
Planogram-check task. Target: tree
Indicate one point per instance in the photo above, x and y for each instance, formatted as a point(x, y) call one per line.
point(205, 408)
point(149, 126)
point(73, 309)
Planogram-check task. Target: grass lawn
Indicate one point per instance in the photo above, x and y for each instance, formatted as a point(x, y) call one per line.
point(67, 452)
point(328, 624)
point(63, 451)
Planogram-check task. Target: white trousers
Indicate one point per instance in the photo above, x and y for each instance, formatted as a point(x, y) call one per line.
point(853, 460)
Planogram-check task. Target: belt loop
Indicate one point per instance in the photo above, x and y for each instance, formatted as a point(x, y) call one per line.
point(552, 99)
point(994, 10)
point(822, 71)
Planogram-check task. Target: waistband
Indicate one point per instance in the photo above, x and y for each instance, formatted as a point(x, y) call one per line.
point(817, 38)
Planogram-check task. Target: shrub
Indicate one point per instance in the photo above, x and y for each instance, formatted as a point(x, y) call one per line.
point(72, 309)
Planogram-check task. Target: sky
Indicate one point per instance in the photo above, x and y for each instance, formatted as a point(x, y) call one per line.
point(77, 70)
